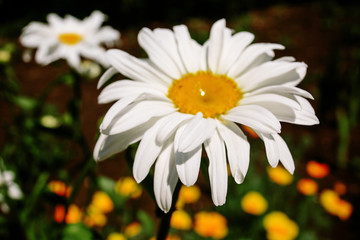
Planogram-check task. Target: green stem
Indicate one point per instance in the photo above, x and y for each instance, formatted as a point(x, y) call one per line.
point(165, 218)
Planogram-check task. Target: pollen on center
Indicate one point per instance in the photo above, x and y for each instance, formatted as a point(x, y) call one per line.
point(205, 92)
point(70, 38)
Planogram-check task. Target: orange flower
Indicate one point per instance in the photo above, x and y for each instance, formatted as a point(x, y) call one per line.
point(133, 229)
point(334, 205)
point(340, 188)
point(316, 169)
point(210, 224)
point(59, 213)
point(254, 203)
point(180, 220)
point(279, 227)
point(188, 195)
point(59, 188)
point(279, 175)
point(307, 186)
point(73, 215)
point(102, 201)
point(128, 187)
point(249, 131)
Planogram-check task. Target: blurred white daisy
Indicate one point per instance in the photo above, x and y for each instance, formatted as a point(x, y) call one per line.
point(70, 39)
point(187, 95)
point(13, 190)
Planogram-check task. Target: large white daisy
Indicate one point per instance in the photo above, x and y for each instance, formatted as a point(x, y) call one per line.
point(69, 39)
point(188, 95)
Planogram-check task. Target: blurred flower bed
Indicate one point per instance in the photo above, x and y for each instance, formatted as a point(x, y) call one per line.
point(51, 188)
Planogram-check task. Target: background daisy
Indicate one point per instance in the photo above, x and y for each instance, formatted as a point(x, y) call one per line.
point(70, 39)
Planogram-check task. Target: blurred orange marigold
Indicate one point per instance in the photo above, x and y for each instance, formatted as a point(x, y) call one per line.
point(115, 236)
point(279, 227)
point(316, 169)
point(181, 220)
point(279, 175)
point(307, 186)
point(254, 203)
point(102, 201)
point(210, 224)
point(334, 205)
point(128, 187)
point(132, 229)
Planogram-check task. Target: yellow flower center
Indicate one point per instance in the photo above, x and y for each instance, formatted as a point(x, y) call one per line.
point(70, 38)
point(204, 92)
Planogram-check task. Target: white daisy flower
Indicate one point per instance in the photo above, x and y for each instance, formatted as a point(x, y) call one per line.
point(187, 95)
point(7, 181)
point(69, 39)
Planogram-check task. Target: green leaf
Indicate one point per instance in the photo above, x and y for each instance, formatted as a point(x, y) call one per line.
point(147, 223)
point(25, 103)
point(77, 231)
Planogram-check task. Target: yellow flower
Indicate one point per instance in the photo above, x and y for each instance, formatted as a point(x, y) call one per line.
point(334, 205)
point(279, 227)
point(279, 175)
point(316, 169)
point(95, 217)
point(73, 215)
point(307, 186)
point(128, 187)
point(181, 220)
point(116, 236)
point(133, 229)
point(254, 203)
point(210, 224)
point(102, 201)
point(188, 195)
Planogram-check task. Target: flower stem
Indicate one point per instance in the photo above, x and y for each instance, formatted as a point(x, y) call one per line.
point(165, 218)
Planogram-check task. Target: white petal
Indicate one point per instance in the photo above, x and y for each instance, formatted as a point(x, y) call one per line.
point(256, 117)
point(252, 56)
point(215, 46)
point(272, 73)
point(94, 21)
point(233, 48)
point(189, 50)
point(303, 116)
point(106, 76)
point(137, 114)
point(281, 89)
point(14, 191)
point(125, 88)
point(165, 178)
point(107, 34)
point(135, 68)
point(196, 131)
point(238, 149)
point(215, 150)
point(108, 145)
point(272, 152)
point(285, 154)
point(188, 165)
point(115, 111)
point(54, 20)
point(147, 152)
point(161, 47)
point(271, 98)
point(171, 125)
